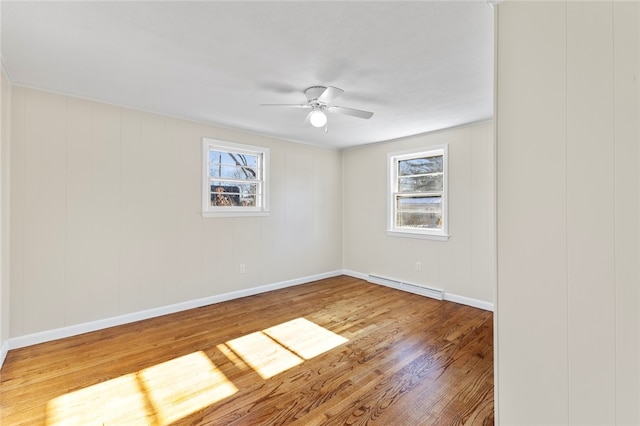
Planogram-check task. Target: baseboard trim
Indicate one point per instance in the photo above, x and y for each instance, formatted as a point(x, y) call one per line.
point(74, 330)
point(4, 349)
point(450, 297)
point(355, 274)
point(464, 300)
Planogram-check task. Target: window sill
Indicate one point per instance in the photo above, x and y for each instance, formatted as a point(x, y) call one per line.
point(236, 214)
point(409, 234)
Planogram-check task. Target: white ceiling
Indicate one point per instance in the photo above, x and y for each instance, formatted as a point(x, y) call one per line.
point(419, 66)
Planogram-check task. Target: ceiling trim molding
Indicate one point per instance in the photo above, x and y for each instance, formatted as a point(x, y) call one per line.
point(431, 132)
point(174, 117)
point(248, 132)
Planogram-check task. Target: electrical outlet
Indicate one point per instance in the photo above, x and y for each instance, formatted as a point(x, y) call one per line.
point(242, 268)
point(418, 266)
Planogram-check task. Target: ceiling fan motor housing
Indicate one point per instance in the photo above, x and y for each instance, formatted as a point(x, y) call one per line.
point(314, 92)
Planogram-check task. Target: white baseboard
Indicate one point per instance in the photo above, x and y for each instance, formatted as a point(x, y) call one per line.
point(355, 274)
point(74, 330)
point(463, 300)
point(450, 297)
point(4, 349)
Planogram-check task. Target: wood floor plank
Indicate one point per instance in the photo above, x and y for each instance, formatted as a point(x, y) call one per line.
point(407, 360)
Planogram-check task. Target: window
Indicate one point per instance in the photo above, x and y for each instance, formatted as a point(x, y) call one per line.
point(234, 179)
point(418, 194)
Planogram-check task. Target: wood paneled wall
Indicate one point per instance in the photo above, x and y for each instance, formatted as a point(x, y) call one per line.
point(5, 301)
point(105, 208)
point(464, 265)
point(568, 168)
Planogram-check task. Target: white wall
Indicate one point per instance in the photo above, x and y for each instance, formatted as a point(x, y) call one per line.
point(465, 264)
point(105, 208)
point(5, 114)
point(567, 190)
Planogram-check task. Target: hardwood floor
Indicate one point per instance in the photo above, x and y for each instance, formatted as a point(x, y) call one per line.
point(339, 351)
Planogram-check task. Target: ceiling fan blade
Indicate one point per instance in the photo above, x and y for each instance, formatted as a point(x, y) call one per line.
point(329, 94)
point(288, 105)
point(350, 111)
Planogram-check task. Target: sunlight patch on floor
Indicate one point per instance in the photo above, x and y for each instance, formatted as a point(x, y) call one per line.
point(183, 386)
point(116, 401)
point(265, 356)
point(167, 392)
point(279, 348)
point(157, 395)
point(304, 338)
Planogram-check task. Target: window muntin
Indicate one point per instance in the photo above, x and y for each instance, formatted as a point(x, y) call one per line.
point(234, 179)
point(418, 184)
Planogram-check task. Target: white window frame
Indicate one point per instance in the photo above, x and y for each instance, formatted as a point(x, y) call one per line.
point(392, 168)
point(262, 203)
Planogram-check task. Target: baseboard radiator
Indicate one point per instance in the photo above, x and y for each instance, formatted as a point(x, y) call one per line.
point(434, 293)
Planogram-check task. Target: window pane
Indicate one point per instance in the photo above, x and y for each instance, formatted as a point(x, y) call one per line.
point(232, 172)
point(225, 195)
point(419, 203)
point(233, 165)
point(248, 194)
point(428, 183)
point(418, 166)
point(419, 220)
point(419, 212)
point(233, 159)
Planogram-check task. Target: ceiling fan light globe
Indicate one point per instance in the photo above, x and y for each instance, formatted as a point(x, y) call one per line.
point(318, 119)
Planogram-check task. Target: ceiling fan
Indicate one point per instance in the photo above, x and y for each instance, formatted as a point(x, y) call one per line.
point(318, 99)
